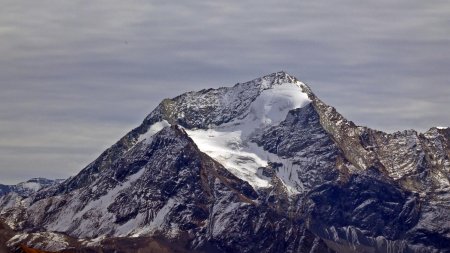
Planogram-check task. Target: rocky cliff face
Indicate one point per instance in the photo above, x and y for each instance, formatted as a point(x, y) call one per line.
point(263, 166)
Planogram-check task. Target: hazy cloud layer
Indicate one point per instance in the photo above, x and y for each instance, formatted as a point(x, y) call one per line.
point(77, 75)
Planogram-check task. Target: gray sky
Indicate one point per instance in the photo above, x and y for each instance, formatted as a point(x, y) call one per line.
point(75, 75)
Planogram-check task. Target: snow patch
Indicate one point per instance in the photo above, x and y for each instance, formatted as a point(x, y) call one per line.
point(224, 212)
point(230, 145)
point(158, 223)
point(54, 242)
point(33, 186)
point(97, 209)
point(272, 105)
point(153, 129)
point(227, 147)
point(16, 239)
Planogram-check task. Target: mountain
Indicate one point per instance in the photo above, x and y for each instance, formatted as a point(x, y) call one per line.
point(29, 187)
point(263, 166)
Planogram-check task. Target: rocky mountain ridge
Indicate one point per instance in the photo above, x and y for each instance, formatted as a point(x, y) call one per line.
point(263, 166)
point(28, 187)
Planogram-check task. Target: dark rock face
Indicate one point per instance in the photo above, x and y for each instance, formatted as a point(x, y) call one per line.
point(380, 208)
point(4, 189)
point(5, 234)
point(301, 138)
point(332, 186)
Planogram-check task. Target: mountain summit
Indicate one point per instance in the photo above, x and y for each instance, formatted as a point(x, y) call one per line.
point(263, 166)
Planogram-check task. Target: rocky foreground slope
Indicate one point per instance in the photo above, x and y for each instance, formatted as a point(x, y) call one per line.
point(263, 166)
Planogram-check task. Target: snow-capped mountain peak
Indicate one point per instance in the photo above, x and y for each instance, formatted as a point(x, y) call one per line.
point(276, 78)
point(256, 105)
point(262, 166)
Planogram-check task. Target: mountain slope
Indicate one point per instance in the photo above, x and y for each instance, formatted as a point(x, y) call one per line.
point(165, 186)
point(263, 166)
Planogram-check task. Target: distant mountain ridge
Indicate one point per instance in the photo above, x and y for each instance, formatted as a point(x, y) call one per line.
point(28, 187)
point(263, 166)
